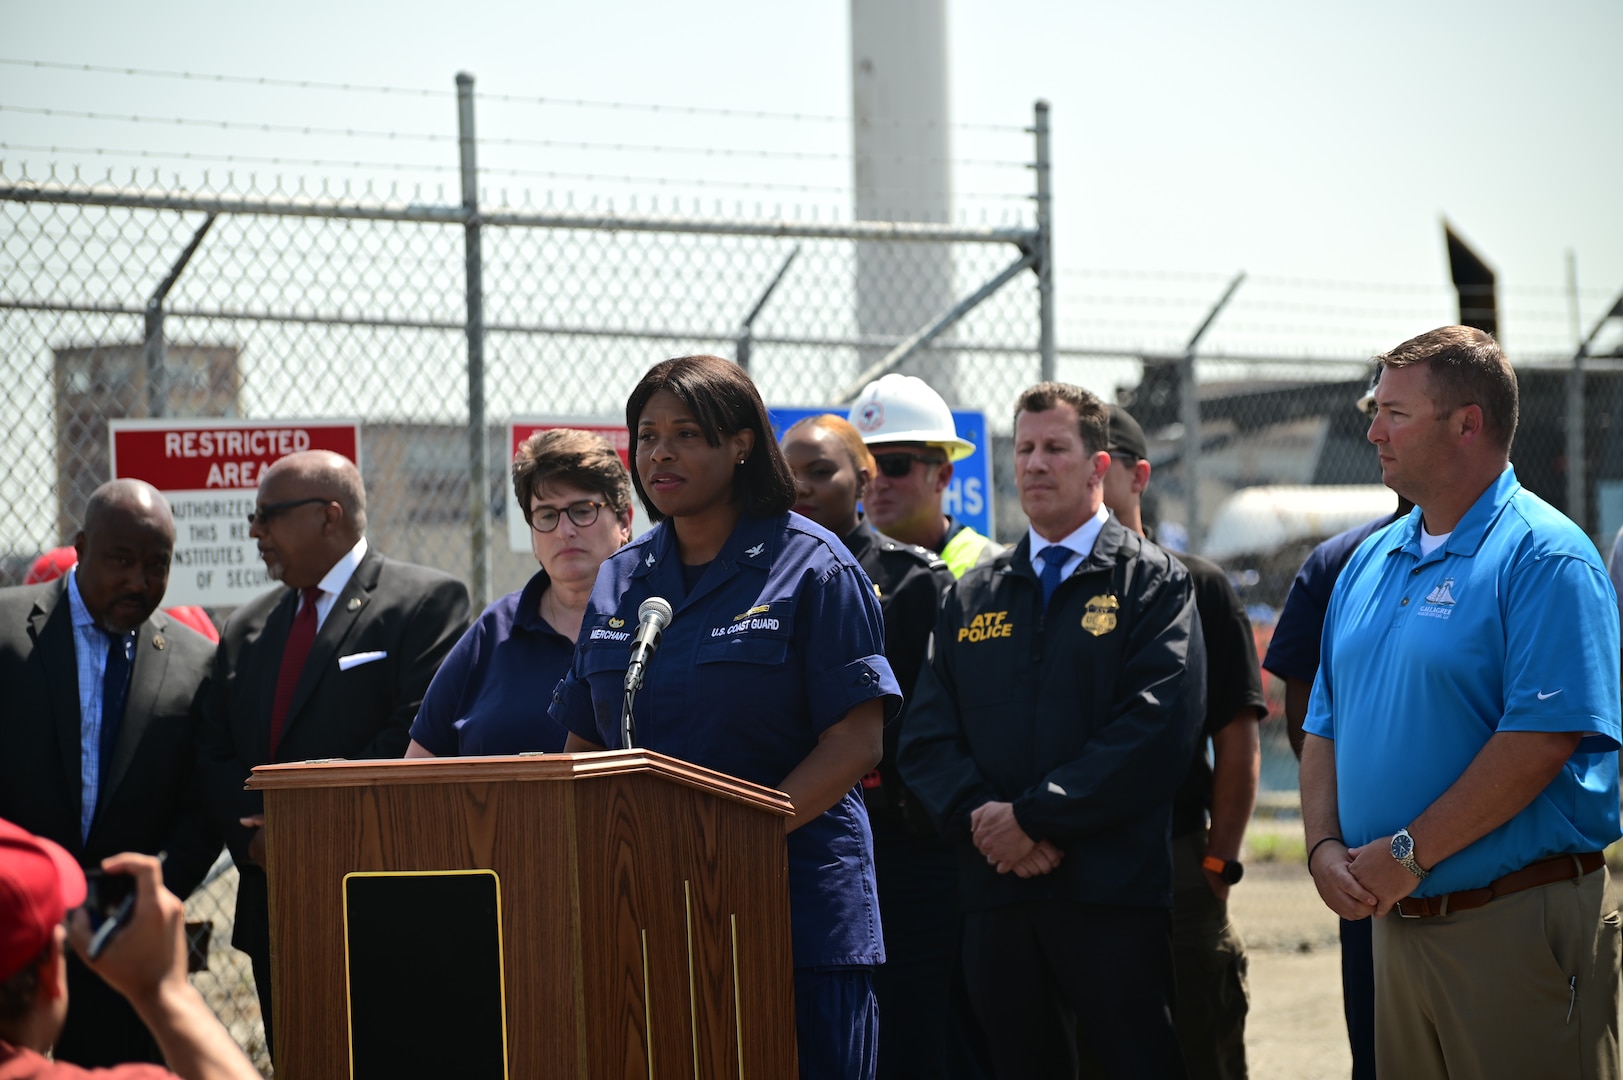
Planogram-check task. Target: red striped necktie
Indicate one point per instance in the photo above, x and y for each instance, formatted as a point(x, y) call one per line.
point(300, 637)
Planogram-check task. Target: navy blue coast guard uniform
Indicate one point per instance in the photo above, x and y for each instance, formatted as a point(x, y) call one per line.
point(777, 641)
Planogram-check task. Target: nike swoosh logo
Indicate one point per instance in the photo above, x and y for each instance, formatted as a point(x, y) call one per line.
point(1547, 697)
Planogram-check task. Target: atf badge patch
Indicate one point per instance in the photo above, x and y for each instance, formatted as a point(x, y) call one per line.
point(1101, 616)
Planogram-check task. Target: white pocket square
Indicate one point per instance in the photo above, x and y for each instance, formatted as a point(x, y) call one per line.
point(357, 659)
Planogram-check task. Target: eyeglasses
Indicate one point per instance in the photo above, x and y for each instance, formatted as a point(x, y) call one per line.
point(543, 519)
point(262, 515)
point(899, 463)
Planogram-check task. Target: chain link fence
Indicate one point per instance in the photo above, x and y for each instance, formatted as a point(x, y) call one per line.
point(144, 301)
point(286, 300)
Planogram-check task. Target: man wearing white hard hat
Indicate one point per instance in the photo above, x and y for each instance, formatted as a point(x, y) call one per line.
point(909, 429)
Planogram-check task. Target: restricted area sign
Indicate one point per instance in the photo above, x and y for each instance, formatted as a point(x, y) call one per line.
point(209, 471)
point(518, 533)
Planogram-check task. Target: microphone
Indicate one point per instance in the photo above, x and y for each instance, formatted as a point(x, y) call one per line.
point(652, 618)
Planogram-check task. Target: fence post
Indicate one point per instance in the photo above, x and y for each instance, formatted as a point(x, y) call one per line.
point(1577, 492)
point(157, 383)
point(478, 458)
point(1044, 244)
point(1576, 502)
point(1189, 415)
point(156, 391)
point(1189, 419)
point(746, 329)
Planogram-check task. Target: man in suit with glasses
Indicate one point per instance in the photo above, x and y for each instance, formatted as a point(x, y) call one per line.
point(331, 664)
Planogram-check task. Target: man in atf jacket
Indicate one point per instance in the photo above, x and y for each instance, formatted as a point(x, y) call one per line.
point(1048, 736)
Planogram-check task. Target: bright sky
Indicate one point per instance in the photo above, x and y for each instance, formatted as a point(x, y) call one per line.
point(1305, 144)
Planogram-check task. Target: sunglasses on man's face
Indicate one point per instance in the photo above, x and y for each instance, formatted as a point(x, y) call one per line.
point(899, 463)
point(264, 515)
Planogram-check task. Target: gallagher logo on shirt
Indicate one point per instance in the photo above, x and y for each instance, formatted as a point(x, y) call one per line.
point(1439, 603)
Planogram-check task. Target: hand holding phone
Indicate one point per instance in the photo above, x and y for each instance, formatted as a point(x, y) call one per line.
point(109, 904)
point(142, 931)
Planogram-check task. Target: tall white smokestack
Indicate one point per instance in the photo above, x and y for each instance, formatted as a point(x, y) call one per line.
point(901, 146)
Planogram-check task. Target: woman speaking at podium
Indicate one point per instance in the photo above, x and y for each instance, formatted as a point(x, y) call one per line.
point(772, 669)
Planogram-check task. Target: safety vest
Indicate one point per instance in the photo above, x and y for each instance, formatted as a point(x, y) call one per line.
point(968, 548)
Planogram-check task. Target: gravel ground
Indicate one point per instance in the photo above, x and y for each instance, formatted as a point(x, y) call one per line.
point(1295, 1030)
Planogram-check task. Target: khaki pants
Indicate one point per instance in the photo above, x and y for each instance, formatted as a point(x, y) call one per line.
point(1525, 986)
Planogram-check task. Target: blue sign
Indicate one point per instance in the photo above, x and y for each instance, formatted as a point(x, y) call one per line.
point(968, 497)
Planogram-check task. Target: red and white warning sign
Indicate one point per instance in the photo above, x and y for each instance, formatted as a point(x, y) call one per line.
point(209, 471)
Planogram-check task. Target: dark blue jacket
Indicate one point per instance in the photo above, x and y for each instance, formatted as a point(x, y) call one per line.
point(1084, 717)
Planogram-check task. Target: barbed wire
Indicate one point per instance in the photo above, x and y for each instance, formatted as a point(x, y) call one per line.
point(724, 152)
point(1586, 292)
point(516, 99)
point(1198, 305)
point(451, 167)
point(235, 159)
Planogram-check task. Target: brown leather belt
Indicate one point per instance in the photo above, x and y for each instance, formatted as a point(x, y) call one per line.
point(1544, 872)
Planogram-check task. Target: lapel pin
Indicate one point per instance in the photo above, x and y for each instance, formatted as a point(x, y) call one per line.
point(354, 603)
point(158, 642)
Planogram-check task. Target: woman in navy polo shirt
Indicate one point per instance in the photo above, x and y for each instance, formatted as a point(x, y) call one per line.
point(772, 669)
point(490, 696)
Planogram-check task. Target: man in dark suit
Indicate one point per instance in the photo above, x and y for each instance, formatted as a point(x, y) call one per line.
point(98, 733)
point(331, 665)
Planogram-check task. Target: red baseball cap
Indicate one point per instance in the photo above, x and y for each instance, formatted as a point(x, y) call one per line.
point(51, 565)
point(39, 884)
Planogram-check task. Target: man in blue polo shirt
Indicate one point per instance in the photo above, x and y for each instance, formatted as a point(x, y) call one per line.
point(1459, 777)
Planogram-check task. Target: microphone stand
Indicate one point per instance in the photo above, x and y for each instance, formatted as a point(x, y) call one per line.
point(652, 618)
point(628, 723)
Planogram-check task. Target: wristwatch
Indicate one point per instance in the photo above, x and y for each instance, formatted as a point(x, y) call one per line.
point(1229, 870)
point(1403, 852)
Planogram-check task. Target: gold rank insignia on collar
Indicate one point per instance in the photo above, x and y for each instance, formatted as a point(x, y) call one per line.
point(1101, 616)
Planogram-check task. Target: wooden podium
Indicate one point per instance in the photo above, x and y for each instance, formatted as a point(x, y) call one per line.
point(614, 915)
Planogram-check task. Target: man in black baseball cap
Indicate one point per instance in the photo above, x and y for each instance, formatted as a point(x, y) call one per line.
point(1214, 803)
